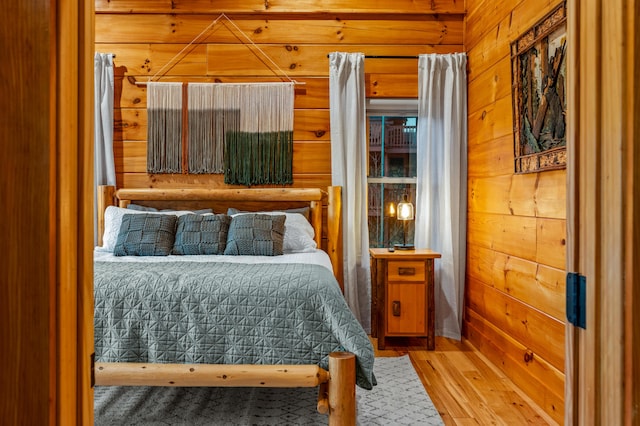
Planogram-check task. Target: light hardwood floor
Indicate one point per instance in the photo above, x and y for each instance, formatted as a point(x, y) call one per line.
point(464, 386)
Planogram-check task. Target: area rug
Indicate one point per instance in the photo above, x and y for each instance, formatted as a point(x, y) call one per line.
point(399, 399)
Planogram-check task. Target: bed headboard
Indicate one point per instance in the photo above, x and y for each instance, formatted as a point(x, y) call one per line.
point(249, 199)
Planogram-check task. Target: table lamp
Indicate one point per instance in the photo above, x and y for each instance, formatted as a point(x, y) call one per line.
point(405, 214)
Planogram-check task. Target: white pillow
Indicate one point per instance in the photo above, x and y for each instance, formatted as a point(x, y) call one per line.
point(298, 232)
point(113, 219)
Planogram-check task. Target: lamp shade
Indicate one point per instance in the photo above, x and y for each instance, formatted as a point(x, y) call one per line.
point(405, 210)
point(405, 214)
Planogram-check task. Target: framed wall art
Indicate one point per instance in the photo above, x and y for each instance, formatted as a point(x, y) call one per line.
point(539, 75)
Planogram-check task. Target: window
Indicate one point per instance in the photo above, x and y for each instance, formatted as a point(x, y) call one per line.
point(391, 173)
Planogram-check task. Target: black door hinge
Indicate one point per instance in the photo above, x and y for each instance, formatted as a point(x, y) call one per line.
point(576, 299)
point(93, 369)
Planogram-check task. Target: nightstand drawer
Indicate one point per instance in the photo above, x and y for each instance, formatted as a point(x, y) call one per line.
point(406, 270)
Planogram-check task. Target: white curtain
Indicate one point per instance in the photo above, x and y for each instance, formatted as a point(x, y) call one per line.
point(441, 199)
point(104, 167)
point(348, 165)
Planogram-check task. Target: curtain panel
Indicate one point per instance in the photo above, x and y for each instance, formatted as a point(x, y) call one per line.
point(441, 187)
point(104, 164)
point(349, 165)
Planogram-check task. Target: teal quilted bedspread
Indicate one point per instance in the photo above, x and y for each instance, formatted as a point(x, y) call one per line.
point(225, 313)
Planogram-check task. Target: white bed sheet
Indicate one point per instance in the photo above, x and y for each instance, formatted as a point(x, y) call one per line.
point(318, 257)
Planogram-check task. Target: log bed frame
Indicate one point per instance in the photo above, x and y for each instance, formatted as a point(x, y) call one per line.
point(336, 387)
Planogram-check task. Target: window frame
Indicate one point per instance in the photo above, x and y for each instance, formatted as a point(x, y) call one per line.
point(388, 107)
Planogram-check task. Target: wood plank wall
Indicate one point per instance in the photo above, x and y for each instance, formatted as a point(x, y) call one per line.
point(516, 253)
point(297, 36)
point(517, 223)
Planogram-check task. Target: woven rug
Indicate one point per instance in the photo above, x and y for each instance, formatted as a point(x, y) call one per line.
point(399, 399)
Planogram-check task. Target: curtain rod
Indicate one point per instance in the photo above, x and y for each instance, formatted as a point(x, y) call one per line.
point(388, 57)
point(294, 82)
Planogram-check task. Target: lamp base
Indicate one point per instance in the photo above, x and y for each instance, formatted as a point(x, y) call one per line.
point(404, 246)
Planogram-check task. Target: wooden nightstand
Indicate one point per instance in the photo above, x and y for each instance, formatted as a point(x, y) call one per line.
point(402, 294)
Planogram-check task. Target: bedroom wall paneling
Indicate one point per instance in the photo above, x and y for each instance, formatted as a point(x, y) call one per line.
point(516, 241)
point(300, 6)
point(297, 36)
point(47, 174)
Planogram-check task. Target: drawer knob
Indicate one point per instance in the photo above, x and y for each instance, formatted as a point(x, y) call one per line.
point(406, 271)
point(395, 308)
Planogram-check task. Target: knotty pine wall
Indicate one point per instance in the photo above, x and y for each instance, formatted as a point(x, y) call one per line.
point(296, 35)
point(515, 292)
point(516, 225)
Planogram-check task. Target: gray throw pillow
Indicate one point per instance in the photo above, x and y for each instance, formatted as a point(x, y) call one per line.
point(256, 235)
point(201, 234)
point(153, 209)
point(146, 234)
point(304, 211)
point(141, 208)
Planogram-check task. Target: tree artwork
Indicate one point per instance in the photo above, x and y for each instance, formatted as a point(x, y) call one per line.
point(539, 101)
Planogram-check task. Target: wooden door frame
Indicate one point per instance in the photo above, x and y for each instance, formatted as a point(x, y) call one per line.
point(72, 183)
point(602, 202)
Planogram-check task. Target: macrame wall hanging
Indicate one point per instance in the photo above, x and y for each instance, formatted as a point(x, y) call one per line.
point(242, 130)
point(164, 128)
point(208, 122)
point(258, 145)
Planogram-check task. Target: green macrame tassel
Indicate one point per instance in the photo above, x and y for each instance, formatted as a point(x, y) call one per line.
point(258, 158)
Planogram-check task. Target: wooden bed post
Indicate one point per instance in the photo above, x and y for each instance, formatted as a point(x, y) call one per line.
point(334, 231)
point(316, 221)
point(105, 197)
point(342, 389)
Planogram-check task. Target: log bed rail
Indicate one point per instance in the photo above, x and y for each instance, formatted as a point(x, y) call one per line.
point(336, 387)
